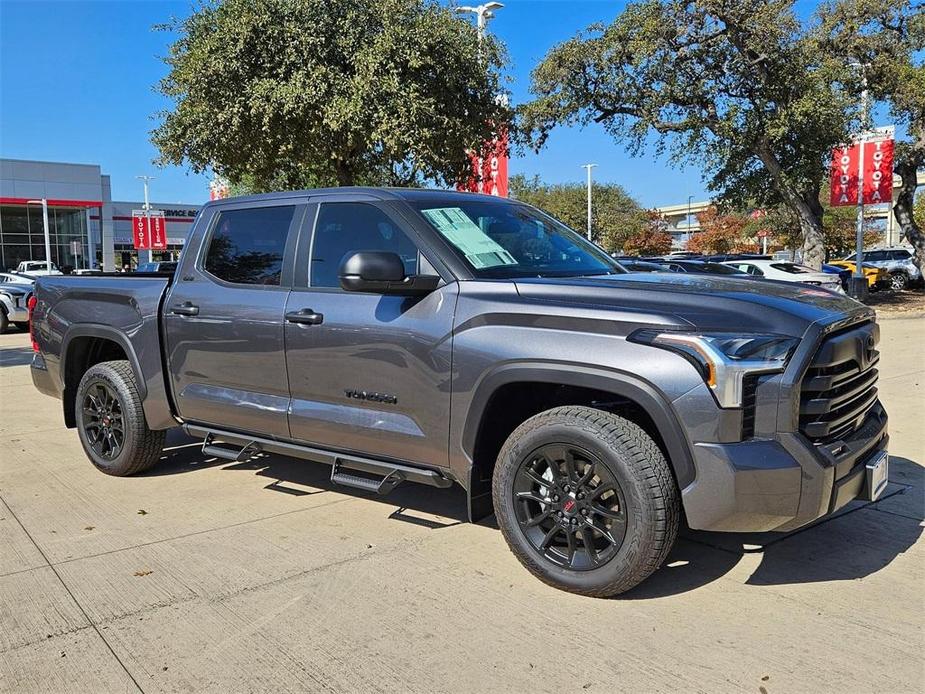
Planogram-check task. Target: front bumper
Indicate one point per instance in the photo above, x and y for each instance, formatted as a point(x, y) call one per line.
point(780, 484)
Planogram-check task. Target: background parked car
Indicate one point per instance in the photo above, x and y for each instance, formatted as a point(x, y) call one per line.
point(37, 268)
point(637, 265)
point(877, 277)
point(15, 278)
point(788, 272)
point(14, 299)
point(897, 261)
point(157, 266)
point(700, 267)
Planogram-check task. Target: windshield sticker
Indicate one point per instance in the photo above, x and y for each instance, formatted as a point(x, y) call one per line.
point(462, 232)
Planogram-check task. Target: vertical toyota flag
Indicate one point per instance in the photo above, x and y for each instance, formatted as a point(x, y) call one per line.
point(877, 169)
point(844, 175)
point(157, 230)
point(141, 237)
point(489, 173)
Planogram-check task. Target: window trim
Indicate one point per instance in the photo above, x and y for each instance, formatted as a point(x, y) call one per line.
point(292, 234)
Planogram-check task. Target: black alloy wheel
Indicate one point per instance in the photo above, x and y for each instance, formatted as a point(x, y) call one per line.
point(103, 421)
point(570, 506)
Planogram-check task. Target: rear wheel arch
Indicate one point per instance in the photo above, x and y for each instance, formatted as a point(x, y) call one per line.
point(83, 347)
point(514, 393)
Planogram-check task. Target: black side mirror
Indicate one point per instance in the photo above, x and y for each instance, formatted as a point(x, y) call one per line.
point(382, 272)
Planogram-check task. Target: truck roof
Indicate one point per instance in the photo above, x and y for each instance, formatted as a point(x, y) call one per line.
point(408, 194)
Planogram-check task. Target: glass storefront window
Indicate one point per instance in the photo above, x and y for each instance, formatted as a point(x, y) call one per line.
point(22, 235)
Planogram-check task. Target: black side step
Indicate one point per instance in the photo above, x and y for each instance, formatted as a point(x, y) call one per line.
point(381, 487)
point(238, 447)
point(213, 450)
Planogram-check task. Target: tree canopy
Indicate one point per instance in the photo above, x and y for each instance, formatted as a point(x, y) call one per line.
point(298, 93)
point(615, 214)
point(739, 85)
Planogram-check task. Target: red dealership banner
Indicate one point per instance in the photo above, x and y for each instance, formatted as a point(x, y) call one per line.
point(489, 172)
point(149, 234)
point(141, 239)
point(158, 230)
point(844, 181)
point(878, 172)
point(876, 169)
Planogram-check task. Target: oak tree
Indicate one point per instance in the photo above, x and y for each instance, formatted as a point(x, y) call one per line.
point(302, 93)
point(738, 86)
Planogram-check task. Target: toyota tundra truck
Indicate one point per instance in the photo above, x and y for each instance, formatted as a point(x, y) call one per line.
point(450, 338)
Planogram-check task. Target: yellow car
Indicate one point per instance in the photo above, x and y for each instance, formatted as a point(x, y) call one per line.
point(877, 277)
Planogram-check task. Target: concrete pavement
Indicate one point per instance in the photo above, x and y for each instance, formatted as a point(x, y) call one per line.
point(209, 576)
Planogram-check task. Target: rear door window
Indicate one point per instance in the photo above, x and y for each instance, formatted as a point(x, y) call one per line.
point(247, 245)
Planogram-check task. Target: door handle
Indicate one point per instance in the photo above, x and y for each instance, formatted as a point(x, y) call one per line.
point(187, 308)
point(305, 317)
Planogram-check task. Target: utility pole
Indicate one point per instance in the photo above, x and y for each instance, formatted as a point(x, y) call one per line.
point(44, 203)
point(588, 168)
point(145, 256)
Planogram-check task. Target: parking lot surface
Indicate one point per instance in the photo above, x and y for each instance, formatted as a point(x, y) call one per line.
point(208, 576)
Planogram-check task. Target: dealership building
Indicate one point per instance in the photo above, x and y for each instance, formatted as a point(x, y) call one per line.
point(87, 227)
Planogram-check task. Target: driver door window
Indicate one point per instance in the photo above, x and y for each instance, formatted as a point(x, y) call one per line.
point(345, 228)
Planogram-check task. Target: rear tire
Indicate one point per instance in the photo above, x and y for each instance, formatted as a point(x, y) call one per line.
point(111, 423)
point(558, 522)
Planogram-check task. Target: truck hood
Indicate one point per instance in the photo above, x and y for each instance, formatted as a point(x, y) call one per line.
point(703, 302)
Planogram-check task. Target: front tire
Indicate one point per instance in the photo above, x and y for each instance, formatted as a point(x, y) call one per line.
point(4, 321)
point(111, 423)
point(22, 325)
point(898, 281)
point(586, 500)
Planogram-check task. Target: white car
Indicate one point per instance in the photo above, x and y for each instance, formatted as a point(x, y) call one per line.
point(37, 268)
point(783, 271)
point(14, 305)
point(13, 278)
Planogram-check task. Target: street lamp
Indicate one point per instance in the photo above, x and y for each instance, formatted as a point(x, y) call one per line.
point(588, 167)
point(482, 14)
point(689, 198)
point(44, 203)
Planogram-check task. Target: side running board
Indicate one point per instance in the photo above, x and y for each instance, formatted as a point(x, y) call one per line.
point(238, 448)
point(213, 450)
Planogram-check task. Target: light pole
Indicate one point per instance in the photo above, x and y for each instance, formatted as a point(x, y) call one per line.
point(482, 14)
point(588, 168)
point(859, 282)
point(689, 198)
point(147, 207)
point(44, 203)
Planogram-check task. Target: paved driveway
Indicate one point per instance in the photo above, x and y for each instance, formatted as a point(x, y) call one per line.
point(208, 576)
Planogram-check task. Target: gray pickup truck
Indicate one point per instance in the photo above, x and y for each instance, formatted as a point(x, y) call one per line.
point(438, 337)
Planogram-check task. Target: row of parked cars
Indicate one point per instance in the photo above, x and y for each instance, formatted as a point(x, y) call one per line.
point(889, 268)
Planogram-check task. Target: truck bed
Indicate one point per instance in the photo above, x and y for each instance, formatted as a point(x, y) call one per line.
point(73, 310)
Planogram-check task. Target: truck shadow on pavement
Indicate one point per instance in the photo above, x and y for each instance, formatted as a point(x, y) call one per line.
point(858, 541)
point(18, 356)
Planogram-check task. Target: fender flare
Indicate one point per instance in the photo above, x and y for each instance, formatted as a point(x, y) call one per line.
point(105, 332)
point(618, 383)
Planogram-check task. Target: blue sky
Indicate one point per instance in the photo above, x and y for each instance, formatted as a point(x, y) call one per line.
point(77, 85)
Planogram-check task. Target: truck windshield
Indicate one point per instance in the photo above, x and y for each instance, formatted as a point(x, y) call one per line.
point(501, 239)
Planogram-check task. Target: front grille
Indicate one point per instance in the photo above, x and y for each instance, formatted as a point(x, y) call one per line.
point(840, 386)
point(749, 393)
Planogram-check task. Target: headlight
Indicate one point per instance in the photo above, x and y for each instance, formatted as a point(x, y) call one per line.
point(724, 359)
